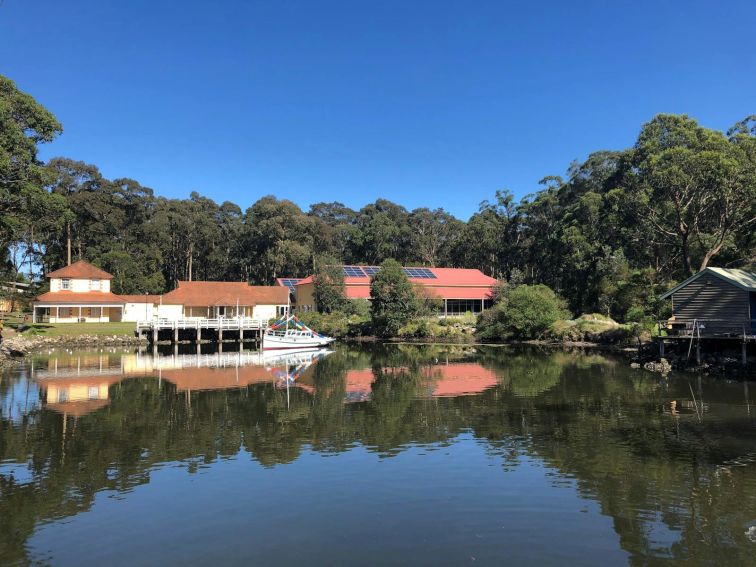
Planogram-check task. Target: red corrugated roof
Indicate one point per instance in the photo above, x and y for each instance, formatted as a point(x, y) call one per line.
point(79, 297)
point(444, 277)
point(449, 283)
point(80, 270)
point(203, 294)
point(140, 298)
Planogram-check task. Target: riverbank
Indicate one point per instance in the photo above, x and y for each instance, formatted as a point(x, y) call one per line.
point(21, 345)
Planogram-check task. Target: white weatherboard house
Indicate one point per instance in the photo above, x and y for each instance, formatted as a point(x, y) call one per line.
point(81, 293)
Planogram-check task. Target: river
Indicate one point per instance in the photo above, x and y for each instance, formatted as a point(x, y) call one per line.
point(372, 455)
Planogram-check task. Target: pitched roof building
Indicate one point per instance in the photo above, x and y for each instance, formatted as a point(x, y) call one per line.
point(460, 289)
point(715, 301)
point(81, 293)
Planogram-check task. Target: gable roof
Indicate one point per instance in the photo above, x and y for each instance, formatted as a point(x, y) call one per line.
point(739, 278)
point(203, 294)
point(80, 270)
point(444, 277)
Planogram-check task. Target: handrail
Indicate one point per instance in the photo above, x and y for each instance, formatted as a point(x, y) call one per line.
point(203, 323)
point(703, 328)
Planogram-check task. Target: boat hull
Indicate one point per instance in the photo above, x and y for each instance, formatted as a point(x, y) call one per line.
point(294, 343)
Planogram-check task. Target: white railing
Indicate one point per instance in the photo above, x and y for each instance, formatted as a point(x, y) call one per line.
point(221, 323)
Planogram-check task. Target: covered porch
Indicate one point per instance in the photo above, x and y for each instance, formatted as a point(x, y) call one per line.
point(85, 313)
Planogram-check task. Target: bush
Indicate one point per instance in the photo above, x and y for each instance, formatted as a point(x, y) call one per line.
point(395, 302)
point(337, 324)
point(525, 312)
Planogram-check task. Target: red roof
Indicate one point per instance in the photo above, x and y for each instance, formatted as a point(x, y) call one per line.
point(140, 298)
point(449, 283)
point(79, 297)
point(203, 294)
point(444, 277)
point(81, 270)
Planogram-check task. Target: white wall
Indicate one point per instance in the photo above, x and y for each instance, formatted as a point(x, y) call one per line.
point(134, 312)
point(170, 312)
point(265, 312)
point(173, 312)
point(79, 285)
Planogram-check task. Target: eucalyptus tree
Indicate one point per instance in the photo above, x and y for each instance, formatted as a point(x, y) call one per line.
point(697, 187)
point(24, 204)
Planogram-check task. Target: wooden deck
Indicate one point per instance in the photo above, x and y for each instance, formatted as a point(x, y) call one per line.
point(712, 331)
point(715, 329)
point(198, 329)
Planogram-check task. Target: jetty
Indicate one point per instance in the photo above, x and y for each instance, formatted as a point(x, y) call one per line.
point(219, 329)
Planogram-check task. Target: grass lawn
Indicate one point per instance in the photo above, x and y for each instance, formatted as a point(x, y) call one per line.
point(74, 329)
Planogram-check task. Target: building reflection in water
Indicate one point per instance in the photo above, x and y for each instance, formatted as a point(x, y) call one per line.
point(78, 384)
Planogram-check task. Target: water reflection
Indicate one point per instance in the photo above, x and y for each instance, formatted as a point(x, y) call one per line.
point(670, 464)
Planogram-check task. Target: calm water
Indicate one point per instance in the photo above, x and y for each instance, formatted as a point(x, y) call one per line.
point(399, 454)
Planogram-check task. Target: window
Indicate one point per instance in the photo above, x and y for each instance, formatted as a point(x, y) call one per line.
point(94, 285)
point(63, 395)
point(65, 283)
point(94, 392)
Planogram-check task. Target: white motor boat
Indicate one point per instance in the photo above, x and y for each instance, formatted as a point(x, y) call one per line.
point(292, 334)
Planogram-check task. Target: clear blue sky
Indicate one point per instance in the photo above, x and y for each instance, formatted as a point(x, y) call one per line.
point(424, 103)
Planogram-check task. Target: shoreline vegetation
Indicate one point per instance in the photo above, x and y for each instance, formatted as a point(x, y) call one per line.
point(580, 259)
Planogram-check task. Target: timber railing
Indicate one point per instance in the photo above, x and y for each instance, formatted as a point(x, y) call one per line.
point(707, 329)
point(220, 323)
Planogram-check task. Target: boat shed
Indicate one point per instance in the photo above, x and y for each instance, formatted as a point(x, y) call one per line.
point(715, 302)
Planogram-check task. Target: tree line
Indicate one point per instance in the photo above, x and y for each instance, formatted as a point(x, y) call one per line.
point(619, 227)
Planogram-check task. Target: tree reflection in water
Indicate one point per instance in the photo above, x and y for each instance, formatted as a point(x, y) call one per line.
point(676, 476)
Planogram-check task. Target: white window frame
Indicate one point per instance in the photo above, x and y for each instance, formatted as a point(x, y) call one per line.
point(65, 284)
point(93, 286)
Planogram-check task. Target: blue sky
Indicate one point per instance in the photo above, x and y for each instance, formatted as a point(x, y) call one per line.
point(434, 103)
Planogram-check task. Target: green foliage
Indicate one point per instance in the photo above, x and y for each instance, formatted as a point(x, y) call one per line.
point(328, 280)
point(525, 312)
point(608, 237)
point(394, 299)
point(338, 324)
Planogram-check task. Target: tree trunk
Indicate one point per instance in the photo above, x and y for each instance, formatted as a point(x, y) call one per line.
point(68, 243)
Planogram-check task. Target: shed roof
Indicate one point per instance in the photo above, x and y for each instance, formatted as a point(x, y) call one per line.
point(739, 278)
point(203, 294)
point(80, 270)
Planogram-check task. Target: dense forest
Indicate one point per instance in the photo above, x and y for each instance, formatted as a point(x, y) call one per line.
point(607, 237)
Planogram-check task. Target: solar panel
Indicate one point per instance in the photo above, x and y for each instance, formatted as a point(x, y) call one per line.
point(419, 273)
point(370, 270)
point(353, 272)
point(290, 282)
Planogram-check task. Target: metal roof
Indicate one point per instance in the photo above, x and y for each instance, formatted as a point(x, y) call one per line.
point(740, 278)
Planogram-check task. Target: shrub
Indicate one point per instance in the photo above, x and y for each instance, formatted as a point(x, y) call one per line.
point(395, 302)
point(525, 312)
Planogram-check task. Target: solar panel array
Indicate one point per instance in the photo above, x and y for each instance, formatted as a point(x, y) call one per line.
point(370, 271)
point(419, 273)
point(290, 282)
point(353, 272)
